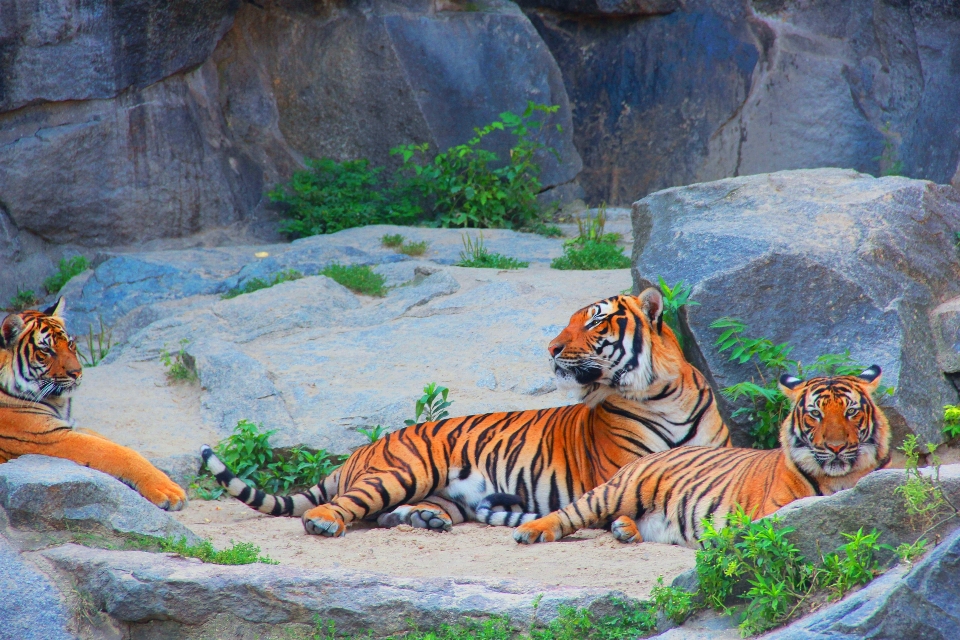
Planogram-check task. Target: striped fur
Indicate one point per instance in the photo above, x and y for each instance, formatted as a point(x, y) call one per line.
point(641, 396)
point(39, 368)
point(834, 435)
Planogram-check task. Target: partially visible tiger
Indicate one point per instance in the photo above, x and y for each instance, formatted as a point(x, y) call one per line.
point(833, 436)
point(38, 370)
point(640, 396)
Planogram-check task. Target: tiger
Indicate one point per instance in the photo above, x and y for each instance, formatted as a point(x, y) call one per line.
point(640, 395)
point(833, 435)
point(39, 369)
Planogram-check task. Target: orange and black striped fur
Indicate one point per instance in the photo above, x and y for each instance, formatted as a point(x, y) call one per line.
point(640, 396)
point(834, 436)
point(38, 370)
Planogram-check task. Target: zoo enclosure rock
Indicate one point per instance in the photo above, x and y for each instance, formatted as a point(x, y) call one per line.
point(31, 606)
point(825, 259)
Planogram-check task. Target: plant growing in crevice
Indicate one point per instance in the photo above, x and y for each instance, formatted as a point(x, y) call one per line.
point(373, 434)
point(97, 346)
point(432, 406)
point(674, 299)
point(592, 249)
point(951, 421)
point(476, 255)
point(358, 278)
point(180, 365)
point(256, 284)
point(66, 269)
point(22, 300)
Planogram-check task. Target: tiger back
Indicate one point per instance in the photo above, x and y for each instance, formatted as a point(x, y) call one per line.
point(834, 435)
point(39, 368)
point(640, 396)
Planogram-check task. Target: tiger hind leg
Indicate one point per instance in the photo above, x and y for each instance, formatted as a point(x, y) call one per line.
point(434, 514)
point(625, 529)
point(325, 520)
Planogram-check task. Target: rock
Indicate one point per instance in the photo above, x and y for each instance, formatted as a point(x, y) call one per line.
point(605, 7)
point(40, 493)
point(873, 503)
point(186, 599)
point(31, 607)
point(918, 602)
point(946, 332)
point(827, 260)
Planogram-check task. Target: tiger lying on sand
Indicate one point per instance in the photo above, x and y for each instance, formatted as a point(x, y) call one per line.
point(640, 396)
point(834, 436)
point(38, 370)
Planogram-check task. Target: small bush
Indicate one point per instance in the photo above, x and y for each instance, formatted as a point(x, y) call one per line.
point(373, 434)
point(592, 249)
point(675, 603)
point(674, 299)
point(181, 366)
point(237, 553)
point(432, 406)
point(358, 278)
point(951, 420)
point(392, 240)
point(256, 284)
point(23, 300)
point(65, 270)
point(475, 254)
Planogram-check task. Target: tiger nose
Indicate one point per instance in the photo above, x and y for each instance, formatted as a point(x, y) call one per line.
point(836, 447)
point(74, 373)
point(555, 349)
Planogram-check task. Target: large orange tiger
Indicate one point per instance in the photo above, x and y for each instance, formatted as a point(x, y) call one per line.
point(38, 370)
point(640, 396)
point(834, 436)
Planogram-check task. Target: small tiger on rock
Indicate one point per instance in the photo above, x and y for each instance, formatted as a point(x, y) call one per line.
point(640, 396)
point(834, 435)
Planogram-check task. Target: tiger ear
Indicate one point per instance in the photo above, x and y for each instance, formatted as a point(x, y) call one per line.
point(651, 303)
point(789, 384)
point(11, 328)
point(871, 375)
point(56, 309)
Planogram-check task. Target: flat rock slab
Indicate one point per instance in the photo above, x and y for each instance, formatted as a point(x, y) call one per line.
point(41, 493)
point(182, 597)
point(30, 605)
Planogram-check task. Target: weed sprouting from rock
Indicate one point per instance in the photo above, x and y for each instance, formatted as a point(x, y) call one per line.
point(357, 278)
point(97, 345)
point(592, 249)
point(22, 300)
point(180, 365)
point(66, 269)
point(432, 406)
point(256, 284)
point(476, 255)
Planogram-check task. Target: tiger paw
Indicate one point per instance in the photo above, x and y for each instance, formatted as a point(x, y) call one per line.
point(420, 516)
point(324, 521)
point(163, 492)
point(540, 530)
point(625, 529)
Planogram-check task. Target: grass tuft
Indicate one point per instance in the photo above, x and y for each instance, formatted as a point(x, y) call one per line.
point(67, 269)
point(475, 255)
point(357, 278)
point(256, 284)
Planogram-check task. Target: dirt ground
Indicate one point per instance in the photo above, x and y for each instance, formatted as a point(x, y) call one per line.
point(587, 559)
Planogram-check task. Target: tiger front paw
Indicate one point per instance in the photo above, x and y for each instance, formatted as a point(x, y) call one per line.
point(540, 530)
point(625, 529)
point(163, 492)
point(420, 516)
point(324, 521)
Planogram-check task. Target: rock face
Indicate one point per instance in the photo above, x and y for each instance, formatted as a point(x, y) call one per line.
point(720, 88)
point(31, 607)
point(181, 598)
point(827, 260)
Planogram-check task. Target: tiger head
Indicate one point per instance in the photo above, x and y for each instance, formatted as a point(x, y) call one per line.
point(37, 357)
point(620, 344)
point(834, 428)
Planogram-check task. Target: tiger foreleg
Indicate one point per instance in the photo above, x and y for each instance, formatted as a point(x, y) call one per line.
point(625, 529)
point(589, 511)
point(434, 513)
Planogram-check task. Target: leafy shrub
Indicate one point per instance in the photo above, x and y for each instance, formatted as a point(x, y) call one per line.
point(237, 553)
point(98, 346)
point(256, 284)
point(23, 299)
point(475, 254)
point(592, 249)
point(432, 406)
point(358, 278)
point(853, 566)
point(675, 603)
point(951, 420)
point(65, 270)
point(674, 299)
point(181, 366)
point(373, 434)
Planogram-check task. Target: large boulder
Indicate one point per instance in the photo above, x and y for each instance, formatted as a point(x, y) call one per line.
point(31, 606)
point(827, 260)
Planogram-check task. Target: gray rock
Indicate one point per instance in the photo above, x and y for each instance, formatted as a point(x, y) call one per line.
point(946, 332)
point(181, 468)
point(52, 494)
point(825, 259)
point(918, 602)
point(190, 597)
point(30, 606)
point(606, 7)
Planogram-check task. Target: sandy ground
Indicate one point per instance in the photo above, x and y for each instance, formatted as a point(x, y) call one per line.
point(588, 559)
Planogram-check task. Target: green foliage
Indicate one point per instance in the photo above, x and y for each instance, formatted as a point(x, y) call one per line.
point(204, 487)
point(475, 254)
point(674, 299)
point(951, 420)
point(256, 284)
point(922, 494)
point(908, 552)
point(181, 366)
point(767, 406)
point(373, 434)
point(432, 406)
point(592, 249)
point(675, 603)
point(545, 230)
point(890, 163)
point(392, 240)
point(854, 565)
point(358, 278)
point(414, 249)
point(464, 186)
point(65, 270)
point(331, 196)
point(98, 345)
point(237, 553)
point(23, 299)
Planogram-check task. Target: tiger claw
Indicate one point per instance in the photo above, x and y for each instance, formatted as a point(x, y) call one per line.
point(625, 530)
point(322, 521)
point(533, 532)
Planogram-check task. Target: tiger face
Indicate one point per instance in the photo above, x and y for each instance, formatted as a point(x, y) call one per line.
point(611, 344)
point(834, 428)
point(38, 358)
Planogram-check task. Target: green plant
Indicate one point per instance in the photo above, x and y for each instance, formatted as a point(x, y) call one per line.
point(358, 278)
point(592, 249)
point(98, 345)
point(414, 249)
point(181, 366)
point(854, 565)
point(373, 434)
point(65, 270)
point(475, 254)
point(464, 186)
point(236, 553)
point(23, 299)
point(908, 552)
point(204, 487)
point(675, 603)
point(674, 299)
point(546, 230)
point(890, 163)
point(331, 196)
point(432, 406)
point(246, 451)
point(392, 241)
point(256, 284)
point(951, 420)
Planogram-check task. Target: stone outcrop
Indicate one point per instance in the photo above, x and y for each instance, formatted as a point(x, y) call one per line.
point(31, 606)
point(827, 260)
